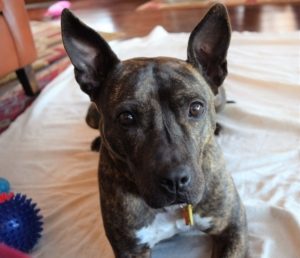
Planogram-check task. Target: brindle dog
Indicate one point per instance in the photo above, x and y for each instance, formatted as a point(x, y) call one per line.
point(158, 151)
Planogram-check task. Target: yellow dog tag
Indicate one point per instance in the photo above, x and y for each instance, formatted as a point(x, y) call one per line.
point(188, 215)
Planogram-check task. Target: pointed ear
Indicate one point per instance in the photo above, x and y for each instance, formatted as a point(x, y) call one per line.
point(90, 54)
point(208, 45)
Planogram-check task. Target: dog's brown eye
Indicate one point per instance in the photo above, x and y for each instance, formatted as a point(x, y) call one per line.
point(126, 118)
point(196, 109)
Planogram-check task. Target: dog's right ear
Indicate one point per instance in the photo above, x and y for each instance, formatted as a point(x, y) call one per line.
point(90, 54)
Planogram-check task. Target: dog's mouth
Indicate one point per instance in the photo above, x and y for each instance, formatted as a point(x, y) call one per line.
point(181, 199)
point(164, 200)
point(183, 185)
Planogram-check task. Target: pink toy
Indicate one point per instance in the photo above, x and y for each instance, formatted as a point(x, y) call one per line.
point(8, 252)
point(55, 10)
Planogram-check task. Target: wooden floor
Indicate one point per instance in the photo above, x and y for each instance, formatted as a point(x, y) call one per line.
point(121, 16)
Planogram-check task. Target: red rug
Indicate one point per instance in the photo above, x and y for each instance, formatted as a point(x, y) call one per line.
point(51, 61)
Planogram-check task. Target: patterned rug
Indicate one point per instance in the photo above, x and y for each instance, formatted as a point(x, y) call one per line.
point(51, 61)
point(177, 4)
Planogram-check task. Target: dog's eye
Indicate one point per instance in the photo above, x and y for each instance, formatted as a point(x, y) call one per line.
point(126, 118)
point(196, 109)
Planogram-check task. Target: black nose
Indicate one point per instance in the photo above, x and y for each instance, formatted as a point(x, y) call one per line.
point(177, 180)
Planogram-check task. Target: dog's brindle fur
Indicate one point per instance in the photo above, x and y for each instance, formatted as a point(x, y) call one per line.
point(157, 121)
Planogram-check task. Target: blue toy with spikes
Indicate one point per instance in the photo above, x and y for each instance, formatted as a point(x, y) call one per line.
point(21, 224)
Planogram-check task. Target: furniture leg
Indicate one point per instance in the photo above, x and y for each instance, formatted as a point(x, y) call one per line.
point(27, 78)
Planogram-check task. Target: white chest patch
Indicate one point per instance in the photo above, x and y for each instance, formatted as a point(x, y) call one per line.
point(169, 223)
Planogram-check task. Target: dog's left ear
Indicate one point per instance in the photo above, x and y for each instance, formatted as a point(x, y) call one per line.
point(208, 45)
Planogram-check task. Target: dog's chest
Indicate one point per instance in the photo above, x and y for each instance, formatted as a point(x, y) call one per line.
point(169, 223)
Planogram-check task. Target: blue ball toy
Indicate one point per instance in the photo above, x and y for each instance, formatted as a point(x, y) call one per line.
point(4, 185)
point(20, 223)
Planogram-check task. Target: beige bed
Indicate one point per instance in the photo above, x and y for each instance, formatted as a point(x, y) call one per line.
point(45, 153)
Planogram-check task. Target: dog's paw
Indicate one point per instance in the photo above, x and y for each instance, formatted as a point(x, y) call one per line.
point(218, 129)
point(96, 144)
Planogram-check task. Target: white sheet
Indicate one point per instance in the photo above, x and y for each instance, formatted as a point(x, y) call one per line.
point(45, 153)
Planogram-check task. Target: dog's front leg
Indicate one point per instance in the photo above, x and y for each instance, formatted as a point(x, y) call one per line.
point(229, 223)
point(232, 242)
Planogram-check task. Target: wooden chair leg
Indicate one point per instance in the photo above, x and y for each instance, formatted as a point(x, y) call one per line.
point(27, 78)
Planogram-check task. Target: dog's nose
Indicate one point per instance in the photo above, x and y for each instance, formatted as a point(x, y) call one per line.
point(176, 180)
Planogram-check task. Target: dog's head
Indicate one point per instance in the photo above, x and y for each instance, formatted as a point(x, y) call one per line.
point(157, 114)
